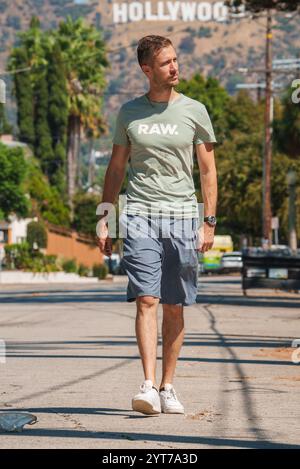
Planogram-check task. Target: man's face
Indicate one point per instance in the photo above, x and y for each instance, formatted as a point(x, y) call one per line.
point(164, 70)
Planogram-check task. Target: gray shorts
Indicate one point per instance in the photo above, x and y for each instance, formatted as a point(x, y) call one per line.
point(160, 258)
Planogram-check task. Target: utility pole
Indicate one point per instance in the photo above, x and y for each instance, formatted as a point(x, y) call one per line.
point(267, 210)
point(291, 182)
point(284, 66)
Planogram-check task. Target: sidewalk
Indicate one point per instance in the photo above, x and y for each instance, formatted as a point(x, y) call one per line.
point(73, 361)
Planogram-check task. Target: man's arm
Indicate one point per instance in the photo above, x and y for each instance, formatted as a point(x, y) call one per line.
point(113, 180)
point(115, 173)
point(209, 190)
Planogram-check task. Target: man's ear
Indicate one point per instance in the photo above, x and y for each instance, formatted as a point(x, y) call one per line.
point(146, 69)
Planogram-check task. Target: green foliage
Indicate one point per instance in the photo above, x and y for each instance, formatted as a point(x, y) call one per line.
point(212, 95)
point(70, 266)
point(57, 117)
point(5, 127)
point(83, 50)
point(43, 138)
point(36, 234)
point(287, 126)
point(83, 270)
point(85, 218)
point(239, 164)
point(260, 5)
point(33, 50)
point(22, 257)
point(23, 91)
point(12, 175)
point(42, 263)
point(17, 256)
point(242, 114)
point(100, 271)
point(239, 157)
point(46, 202)
point(63, 85)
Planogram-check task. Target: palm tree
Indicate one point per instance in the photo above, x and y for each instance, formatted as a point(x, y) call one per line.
point(84, 54)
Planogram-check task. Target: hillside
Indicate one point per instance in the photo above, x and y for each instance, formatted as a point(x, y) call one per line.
point(217, 46)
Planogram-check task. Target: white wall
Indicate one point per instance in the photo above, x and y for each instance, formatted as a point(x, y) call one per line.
point(19, 229)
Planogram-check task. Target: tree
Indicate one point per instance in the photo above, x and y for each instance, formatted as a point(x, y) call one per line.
point(209, 92)
point(58, 110)
point(65, 78)
point(24, 95)
point(29, 57)
point(287, 127)
point(84, 55)
point(36, 233)
point(258, 6)
point(85, 218)
point(5, 127)
point(12, 175)
point(43, 138)
point(45, 200)
point(215, 98)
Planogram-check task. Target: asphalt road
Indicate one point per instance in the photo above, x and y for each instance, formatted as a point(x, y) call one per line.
point(72, 360)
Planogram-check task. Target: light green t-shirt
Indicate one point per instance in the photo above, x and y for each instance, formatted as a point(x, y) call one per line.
point(161, 137)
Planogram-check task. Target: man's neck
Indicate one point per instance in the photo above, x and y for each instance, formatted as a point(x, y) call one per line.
point(162, 95)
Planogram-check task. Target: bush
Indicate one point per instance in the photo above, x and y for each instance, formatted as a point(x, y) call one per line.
point(85, 218)
point(36, 234)
point(20, 256)
point(69, 266)
point(83, 270)
point(17, 256)
point(42, 264)
point(187, 44)
point(100, 270)
point(204, 32)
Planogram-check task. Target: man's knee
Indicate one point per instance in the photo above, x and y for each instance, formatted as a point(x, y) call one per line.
point(147, 302)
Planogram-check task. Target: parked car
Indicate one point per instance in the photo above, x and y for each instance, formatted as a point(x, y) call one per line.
point(231, 262)
point(210, 261)
point(113, 263)
point(275, 250)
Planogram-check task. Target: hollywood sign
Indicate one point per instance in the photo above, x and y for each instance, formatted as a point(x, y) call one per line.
point(169, 11)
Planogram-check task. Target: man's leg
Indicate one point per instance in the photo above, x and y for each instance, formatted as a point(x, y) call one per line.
point(173, 335)
point(146, 334)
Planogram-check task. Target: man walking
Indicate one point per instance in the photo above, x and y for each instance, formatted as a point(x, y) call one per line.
point(158, 133)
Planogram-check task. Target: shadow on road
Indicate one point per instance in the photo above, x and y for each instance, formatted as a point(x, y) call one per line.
point(162, 438)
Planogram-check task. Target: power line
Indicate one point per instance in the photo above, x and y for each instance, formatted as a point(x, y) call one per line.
point(247, 18)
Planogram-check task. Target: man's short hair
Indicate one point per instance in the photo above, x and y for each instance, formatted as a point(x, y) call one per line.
point(149, 46)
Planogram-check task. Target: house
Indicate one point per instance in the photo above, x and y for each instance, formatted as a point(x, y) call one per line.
point(62, 242)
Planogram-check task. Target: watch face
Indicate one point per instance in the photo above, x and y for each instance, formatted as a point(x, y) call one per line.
point(211, 220)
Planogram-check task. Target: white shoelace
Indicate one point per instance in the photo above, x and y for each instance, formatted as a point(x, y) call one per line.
point(145, 387)
point(171, 394)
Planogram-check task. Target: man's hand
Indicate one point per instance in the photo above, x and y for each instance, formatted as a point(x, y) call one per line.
point(114, 177)
point(104, 242)
point(205, 238)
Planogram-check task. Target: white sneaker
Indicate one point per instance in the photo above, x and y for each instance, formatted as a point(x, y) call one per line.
point(147, 401)
point(169, 402)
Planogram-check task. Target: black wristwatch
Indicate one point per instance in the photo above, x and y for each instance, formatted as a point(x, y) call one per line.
point(211, 220)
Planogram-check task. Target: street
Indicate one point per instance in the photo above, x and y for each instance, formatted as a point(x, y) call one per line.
point(72, 360)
